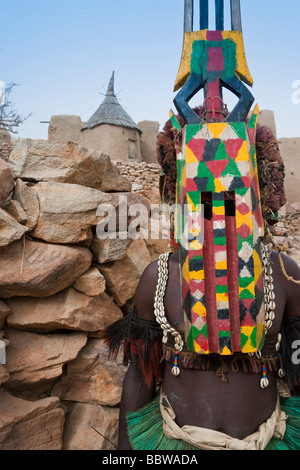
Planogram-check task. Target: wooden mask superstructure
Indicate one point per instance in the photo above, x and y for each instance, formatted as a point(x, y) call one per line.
point(218, 221)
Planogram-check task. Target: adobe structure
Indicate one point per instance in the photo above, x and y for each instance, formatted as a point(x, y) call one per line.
point(111, 130)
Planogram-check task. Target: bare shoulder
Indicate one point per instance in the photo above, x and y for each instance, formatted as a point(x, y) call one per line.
point(288, 267)
point(145, 292)
point(289, 271)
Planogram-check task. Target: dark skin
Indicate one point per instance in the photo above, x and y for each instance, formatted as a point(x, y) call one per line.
point(236, 407)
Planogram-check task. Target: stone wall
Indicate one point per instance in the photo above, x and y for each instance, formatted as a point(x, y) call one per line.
point(60, 286)
point(143, 176)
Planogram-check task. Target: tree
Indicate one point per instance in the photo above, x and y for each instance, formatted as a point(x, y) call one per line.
point(9, 118)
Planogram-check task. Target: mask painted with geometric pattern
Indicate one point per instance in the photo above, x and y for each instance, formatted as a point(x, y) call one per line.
point(218, 221)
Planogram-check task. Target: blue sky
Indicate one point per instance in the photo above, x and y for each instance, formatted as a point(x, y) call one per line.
point(62, 54)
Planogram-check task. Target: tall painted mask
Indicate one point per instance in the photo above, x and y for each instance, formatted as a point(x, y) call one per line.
point(218, 222)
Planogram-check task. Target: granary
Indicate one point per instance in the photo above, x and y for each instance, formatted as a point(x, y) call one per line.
point(111, 130)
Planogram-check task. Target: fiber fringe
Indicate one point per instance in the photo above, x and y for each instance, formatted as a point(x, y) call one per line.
point(145, 430)
point(291, 440)
point(141, 341)
point(238, 362)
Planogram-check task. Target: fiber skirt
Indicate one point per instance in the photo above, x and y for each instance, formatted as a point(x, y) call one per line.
point(145, 429)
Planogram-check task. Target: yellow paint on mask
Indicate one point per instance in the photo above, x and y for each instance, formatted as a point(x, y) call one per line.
point(197, 347)
point(217, 128)
point(222, 297)
point(257, 266)
point(190, 156)
point(221, 264)
point(185, 65)
point(226, 351)
point(243, 219)
point(199, 309)
point(219, 210)
point(197, 275)
point(250, 288)
point(196, 245)
point(219, 187)
point(243, 155)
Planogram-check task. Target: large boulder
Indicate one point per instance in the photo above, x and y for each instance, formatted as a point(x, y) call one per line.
point(91, 427)
point(122, 276)
point(108, 250)
point(68, 309)
point(4, 375)
point(66, 162)
point(29, 201)
point(30, 425)
point(92, 282)
point(128, 207)
point(14, 208)
point(6, 181)
point(35, 360)
point(10, 229)
point(92, 377)
point(67, 212)
point(39, 269)
point(4, 311)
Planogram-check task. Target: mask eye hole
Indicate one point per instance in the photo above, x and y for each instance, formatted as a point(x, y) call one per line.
point(229, 200)
point(206, 201)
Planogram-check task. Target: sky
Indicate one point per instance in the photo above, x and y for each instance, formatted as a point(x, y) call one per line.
point(62, 53)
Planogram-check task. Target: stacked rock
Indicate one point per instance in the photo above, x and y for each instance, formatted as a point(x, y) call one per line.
point(60, 286)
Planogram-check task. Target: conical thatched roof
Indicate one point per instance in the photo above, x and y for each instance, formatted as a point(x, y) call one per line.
point(111, 112)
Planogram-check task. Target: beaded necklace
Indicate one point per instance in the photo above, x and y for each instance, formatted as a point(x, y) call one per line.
point(269, 300)
point(159, 309)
